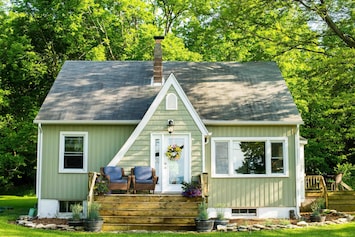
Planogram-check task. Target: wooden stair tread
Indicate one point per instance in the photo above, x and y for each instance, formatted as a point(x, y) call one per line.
point(148, 212)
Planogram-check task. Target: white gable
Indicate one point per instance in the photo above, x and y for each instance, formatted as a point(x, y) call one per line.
point(171, 81)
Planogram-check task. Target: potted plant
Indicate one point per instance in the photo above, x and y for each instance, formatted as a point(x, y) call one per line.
point(76, 219)
point(203, 223)
point(191, 189)
point(101, 186)
point(220, 218)
point(94, 221)
point(316, 207)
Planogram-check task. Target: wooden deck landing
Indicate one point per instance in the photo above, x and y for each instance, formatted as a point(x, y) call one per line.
point(148, 212)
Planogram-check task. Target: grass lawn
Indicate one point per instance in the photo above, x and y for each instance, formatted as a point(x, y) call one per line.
point(21, 206)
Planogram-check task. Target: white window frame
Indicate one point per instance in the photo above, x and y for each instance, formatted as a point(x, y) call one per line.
point(267, 140)
point(171, 102)
point(61, 152)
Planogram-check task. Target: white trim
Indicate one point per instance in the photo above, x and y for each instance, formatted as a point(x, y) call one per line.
point(298, 175)
point(39, 166)
point(244, 122)
point(268, 141)
point(203, 149)
point(157, 101)
point(261, 212)
point(62, 135)
point(133, 122)
point(94, 122)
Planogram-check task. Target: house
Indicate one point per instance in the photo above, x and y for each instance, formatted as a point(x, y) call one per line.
point(236, 121)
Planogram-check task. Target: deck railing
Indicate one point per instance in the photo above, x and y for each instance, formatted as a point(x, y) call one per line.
point(317, 183)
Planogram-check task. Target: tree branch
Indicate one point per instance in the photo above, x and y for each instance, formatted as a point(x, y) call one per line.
point(321, 10)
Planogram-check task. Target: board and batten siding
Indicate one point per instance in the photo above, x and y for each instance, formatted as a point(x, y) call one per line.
point(104, 142)
point(139, 152)
point(252, 192)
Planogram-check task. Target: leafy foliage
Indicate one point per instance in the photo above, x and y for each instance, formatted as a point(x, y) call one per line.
point(312, 42)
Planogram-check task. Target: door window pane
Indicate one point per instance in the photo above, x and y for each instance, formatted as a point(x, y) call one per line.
point(177, 167)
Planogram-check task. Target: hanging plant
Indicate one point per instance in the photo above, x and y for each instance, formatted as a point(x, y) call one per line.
point(174, 152)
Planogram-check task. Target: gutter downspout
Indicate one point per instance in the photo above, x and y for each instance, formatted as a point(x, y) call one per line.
point(39, 167)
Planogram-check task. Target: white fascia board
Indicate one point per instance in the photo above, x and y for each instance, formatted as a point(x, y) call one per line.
point(146, 118)
point(237, 122)
point(171, 81)
point(89, 122)
point(188, 105)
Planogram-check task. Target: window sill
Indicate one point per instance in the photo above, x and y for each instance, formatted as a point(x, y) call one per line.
point(246, 176)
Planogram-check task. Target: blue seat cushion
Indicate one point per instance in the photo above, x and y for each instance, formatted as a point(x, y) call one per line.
point(114, 172)
point(121, 181)
point(143, 172)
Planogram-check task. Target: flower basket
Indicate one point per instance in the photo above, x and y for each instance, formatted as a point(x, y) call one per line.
point(174, 152)
point(192, 189)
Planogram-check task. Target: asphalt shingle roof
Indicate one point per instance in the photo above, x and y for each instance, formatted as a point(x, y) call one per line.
point(121, 90)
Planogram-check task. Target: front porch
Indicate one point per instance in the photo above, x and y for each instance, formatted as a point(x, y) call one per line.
point(147, 211)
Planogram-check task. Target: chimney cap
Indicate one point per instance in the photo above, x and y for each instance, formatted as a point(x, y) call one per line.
point(158, 37)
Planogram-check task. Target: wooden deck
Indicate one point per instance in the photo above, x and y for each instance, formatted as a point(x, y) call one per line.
point(148, 212)
point(317, 187)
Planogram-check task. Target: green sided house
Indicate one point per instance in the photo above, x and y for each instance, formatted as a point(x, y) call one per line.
point(237, 122)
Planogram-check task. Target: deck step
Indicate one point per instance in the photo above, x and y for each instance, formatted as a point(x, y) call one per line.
point(148, 212)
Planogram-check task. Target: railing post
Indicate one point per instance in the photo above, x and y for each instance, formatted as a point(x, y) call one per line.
point(92, 179)
point(204, 184)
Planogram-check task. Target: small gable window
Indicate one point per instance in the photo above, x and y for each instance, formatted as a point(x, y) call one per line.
point(171, 102)
point(73, 152)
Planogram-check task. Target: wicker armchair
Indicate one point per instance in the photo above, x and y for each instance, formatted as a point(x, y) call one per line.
point(116, 178)
point(143, 178)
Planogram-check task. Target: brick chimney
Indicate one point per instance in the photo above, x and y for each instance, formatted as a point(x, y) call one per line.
point(158, 61)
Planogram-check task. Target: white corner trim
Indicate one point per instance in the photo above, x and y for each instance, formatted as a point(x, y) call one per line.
point(39, 162)
point(171, 81)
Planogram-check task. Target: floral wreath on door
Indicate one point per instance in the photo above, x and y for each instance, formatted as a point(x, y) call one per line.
point(174, 152)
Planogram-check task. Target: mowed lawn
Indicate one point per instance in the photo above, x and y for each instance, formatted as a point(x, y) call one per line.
point(21, 205)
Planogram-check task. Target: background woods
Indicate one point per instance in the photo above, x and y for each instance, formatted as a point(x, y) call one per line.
point(313, 42)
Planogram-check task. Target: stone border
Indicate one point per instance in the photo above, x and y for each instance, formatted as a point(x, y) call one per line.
point(343, 218)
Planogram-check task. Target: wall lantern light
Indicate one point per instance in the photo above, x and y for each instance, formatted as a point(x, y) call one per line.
point(170, 125)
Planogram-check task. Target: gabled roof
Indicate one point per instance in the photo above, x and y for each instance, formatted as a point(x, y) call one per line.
point(121, 92)
point(171, 82)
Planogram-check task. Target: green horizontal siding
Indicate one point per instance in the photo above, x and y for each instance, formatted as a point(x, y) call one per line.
point(139, 153)
point(253, 192)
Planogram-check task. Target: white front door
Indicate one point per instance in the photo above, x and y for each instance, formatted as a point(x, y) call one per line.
point(171, 172)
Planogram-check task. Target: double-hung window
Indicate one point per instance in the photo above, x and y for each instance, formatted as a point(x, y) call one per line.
point(245, 157)
point(73, 152)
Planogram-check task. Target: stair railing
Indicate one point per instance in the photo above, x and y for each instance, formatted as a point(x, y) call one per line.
point(92, 179)
point(204, 184)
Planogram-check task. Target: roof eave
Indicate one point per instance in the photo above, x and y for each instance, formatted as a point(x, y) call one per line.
point(245, 122)
point(90, 122)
